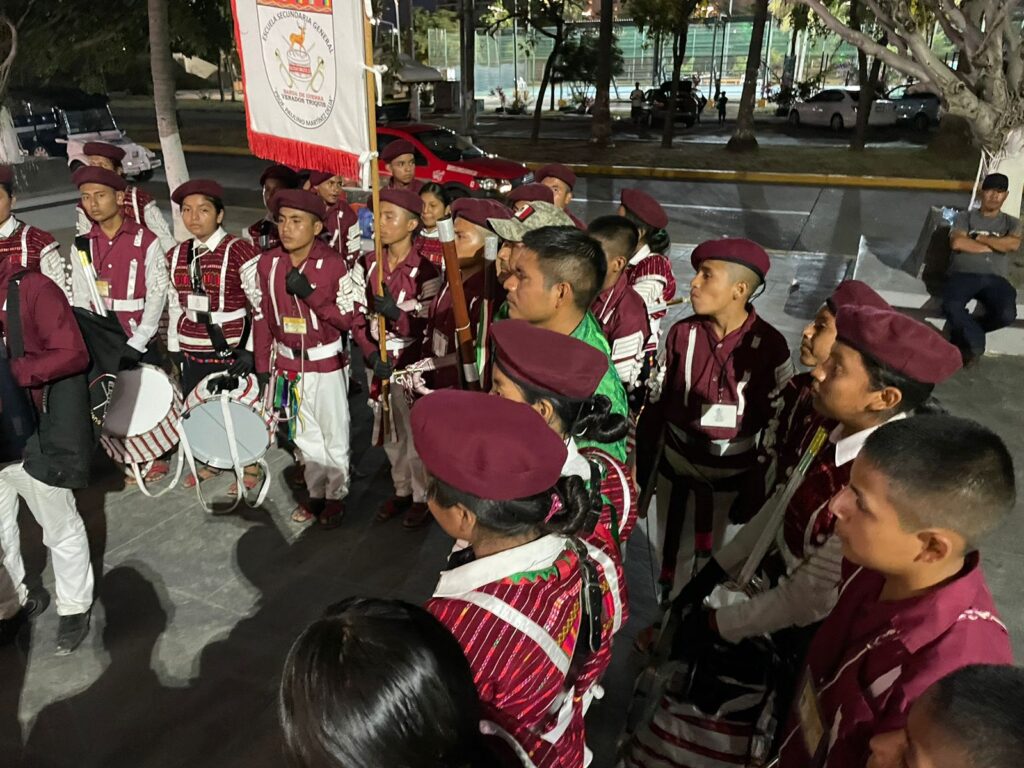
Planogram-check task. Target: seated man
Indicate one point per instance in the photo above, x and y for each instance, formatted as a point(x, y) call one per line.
point(982, 242)
point(914, 605)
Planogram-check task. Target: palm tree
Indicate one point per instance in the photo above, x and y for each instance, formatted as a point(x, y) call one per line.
point(162, 67)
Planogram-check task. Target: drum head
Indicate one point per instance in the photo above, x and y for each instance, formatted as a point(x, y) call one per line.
point(208, 436)
point(141, 398)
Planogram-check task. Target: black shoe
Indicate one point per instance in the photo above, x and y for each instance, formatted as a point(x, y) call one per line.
point(71, 631)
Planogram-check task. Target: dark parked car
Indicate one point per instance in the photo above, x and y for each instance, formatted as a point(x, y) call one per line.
point(689, 103)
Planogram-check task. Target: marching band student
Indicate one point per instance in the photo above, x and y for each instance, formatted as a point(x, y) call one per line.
point(410, 284)
point(556, 271)
point(399, 159)
point(618, 307)
point(341, 228)
point(213, 282)
point(138, 205)
point(525, 194)
point(649, 270)
point(263, 233)
point(306, 305)
point(48, 358)
point(24, 246)
point(968, 719)
point(915, 605)
point(709, 400)
point(436, 205)
point(471, 228)
point(560, 180)
point(520, 598)
point(349, 675)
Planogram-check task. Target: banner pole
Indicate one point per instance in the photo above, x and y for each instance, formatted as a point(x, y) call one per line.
point(371, 108)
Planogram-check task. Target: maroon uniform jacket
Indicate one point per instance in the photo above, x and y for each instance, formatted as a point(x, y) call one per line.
point(413, 284)
point(25, 247)
point(871, 660)
point(415, 185)
point(790, 429)
point(713, 395)
point(429, 245)
point(263, 235)
point(220, 276)
point(302, 334)
point(342, 231)
point(622, 315)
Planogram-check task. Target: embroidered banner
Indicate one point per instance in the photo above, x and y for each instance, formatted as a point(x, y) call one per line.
point(302, 69)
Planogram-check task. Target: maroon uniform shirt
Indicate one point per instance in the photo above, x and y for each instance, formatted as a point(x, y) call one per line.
point(622, 315)
point(413, 284)
point(429, 245)
point(342, 231)
point(303, 334)
point(25, 247)
point(263, 234)
point(415, 185)
point(871, 660)
point(713, 395)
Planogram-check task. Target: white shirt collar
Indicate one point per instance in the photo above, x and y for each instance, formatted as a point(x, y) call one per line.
point(575, 463)
point(8, 227)
point(847, 448)
point(538, 554)
point(213, 240)
point(640, 255)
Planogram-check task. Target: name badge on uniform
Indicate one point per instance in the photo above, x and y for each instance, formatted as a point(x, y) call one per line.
point(103, 288)
point(812, 725)
point(198, 303)
point(440, 344)
point(719, 415)
point(294, 325)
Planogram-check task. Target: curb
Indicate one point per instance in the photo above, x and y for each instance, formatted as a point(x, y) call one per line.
point(695, 174)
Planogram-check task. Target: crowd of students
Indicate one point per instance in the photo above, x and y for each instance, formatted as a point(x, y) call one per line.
point(825, 523)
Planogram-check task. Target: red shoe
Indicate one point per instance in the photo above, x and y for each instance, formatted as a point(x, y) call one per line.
point(396, 505)
point(333, 512)
point(418, 516)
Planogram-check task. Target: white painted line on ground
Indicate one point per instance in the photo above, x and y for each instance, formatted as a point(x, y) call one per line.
point(690, 206)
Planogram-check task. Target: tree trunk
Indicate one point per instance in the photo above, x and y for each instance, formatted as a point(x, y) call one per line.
point(163, 98)
point(545, 81)
point(1010, 160)
point(220, 74)
point(467, 66)
point(678, 52)
point(743, 139)
point(601, 125)
point(867, 79)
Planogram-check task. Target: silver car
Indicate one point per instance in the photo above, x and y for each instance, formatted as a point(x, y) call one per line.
point(916, 106)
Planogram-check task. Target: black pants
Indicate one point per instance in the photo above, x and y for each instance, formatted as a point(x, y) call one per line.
point(194, 370)
point(996, 296)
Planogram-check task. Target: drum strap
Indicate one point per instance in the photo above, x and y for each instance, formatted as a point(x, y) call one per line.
point(15, 337)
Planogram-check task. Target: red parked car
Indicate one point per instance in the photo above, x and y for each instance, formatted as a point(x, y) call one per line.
point(454, 161)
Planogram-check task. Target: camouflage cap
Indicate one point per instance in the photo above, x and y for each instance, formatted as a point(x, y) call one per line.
point(534, 216)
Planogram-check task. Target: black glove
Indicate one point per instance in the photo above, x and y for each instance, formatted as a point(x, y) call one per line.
point(386, 306)
point(130, 358)
point(699, 587)
point(244, 363)
point(297, 285)
point(263, 379)
point(693, 636)
point(382, 369)
point(224, 383)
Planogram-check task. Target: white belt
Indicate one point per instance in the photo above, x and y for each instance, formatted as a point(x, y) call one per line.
point(397, 344)
point(313, 354)
point(715, 447)
point(125, 305)
point(217, 317)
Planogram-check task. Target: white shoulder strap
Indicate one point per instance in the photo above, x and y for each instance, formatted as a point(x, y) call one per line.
point(522, 623)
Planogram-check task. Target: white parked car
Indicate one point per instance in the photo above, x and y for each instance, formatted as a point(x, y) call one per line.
point(837, 108)
point(916, 105)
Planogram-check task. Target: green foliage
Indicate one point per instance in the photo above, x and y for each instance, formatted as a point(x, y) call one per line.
point(424, 20)
point(578, 60)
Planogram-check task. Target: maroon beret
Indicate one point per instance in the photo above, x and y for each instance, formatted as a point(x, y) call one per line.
point(530, 193)
point(206, 187)
point(6, 174)
point(91, 174)
point(547, 360)
point(899, 342)
point(403, 198)
point(103, 149)
point(316, 178)
point(556, 171)
point(854, 293)
point(282, 173)
point(479, 210)
point(644, 207)
point(397, 149)
point(738, 250)
point(490, 447)
point(300, 200)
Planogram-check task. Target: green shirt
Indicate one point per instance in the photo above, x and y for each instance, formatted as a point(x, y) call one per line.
point(589, 331)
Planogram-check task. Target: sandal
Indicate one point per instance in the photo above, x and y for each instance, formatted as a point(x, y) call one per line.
point(252, 475)
point(302, 515)
point(158, 470)
point(331, 517)
point(205, 473)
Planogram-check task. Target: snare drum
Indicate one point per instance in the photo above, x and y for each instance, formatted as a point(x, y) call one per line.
point(213, 420)
point(141, 417)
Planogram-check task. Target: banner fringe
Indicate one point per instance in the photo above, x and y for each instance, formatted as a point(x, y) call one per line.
point(300, 155)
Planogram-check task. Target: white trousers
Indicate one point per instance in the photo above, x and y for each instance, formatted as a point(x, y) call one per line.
point(63, 533)
point(10, 601)
point(407, 471)
point(323, 433)
point(722, 530)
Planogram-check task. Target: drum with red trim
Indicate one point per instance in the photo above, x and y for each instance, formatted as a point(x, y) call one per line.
point(215, 418)
point(141, 418)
